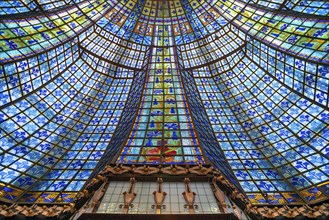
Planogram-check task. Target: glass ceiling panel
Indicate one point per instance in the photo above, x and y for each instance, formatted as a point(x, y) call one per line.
point(163, 132)
point(24, 37)
point(16, 7)
point(317, 7)
point(53, 139)
point(270, 142)
point(12, 7)
point(304, 37)
point(242, 85)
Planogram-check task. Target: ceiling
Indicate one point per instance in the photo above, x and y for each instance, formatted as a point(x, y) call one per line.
point(242, 85)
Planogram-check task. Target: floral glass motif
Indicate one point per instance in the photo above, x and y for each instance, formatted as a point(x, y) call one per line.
point(240, 84)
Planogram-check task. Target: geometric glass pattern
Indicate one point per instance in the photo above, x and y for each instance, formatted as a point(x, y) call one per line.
point(242, 85)
point(163, 132)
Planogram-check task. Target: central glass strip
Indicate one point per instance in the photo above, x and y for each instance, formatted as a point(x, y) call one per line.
point(163, 131)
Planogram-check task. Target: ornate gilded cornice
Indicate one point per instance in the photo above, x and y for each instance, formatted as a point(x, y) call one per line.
point(221, 186)
point(35, 210)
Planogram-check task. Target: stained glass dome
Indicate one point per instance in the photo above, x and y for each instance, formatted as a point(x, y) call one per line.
point(241, 85)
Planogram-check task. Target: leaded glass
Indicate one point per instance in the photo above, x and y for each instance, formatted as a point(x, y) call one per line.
point(242, 85)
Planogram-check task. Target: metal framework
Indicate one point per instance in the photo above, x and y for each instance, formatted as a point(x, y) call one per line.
point(246, 82)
